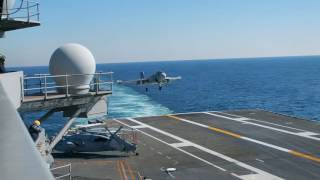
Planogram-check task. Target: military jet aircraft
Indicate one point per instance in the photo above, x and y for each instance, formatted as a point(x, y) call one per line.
point(160, 78)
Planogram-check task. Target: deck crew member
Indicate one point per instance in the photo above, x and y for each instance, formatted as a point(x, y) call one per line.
point(35, 129)
point(2, 59)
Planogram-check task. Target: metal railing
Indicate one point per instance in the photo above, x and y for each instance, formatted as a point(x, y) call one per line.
point(68, 174)
point(44, 84)
point(26, 10)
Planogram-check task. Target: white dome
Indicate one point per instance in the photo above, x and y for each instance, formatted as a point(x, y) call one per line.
point(73, 59)
point(8, 6)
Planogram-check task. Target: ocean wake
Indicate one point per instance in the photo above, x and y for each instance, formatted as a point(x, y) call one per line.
point(126, 102)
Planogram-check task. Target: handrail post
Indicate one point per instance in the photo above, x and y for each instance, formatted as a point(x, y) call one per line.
point(26, 86)
point(40, 83)
point(96, 83)
point(67, 85)
point(111, 84)
point(38, 18)
point(22, 88)
point(45, 87)
point(28, 11)
point(70, 178)
point(7, 10)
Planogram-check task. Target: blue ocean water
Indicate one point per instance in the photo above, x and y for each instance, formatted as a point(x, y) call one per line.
point(288, 85)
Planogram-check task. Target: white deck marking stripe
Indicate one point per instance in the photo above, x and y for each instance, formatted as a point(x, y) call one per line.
point(182, 144)
point(227, 158)
point(138, 127)
point(243, 119)
point(296, 153)
point(266, 122)
point(266, 144)
point(240, 137)
point(238, 118)
point(181, 150)
point(308, 133)
point(253, 177)
point(220, 112)
point(264, 126)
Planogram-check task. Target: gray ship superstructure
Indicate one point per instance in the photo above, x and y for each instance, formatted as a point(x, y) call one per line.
point(17, 149)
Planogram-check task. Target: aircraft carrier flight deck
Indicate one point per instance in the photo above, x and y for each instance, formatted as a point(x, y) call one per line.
point(245, 144)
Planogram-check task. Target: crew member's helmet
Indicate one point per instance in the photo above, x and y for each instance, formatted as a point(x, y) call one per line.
point(37, 122)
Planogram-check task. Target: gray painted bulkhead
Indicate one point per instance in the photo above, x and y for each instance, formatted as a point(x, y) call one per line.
point(18, 155)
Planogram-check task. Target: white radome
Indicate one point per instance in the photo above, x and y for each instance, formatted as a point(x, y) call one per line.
point(73, 59)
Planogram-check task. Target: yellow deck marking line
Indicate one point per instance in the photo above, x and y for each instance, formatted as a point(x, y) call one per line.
point(295, 153)
point(119, 171)
point(306, 156)
point(212, 128)
point(225, 132)
point(304, 133)
point(123, 170)
point(129, 169)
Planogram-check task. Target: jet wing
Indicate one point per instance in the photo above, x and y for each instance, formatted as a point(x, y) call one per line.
point(173, 78)
point(127, 82)
point(137, 81)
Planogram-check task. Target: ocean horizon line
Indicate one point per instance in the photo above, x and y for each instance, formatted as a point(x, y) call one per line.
point(178, 60)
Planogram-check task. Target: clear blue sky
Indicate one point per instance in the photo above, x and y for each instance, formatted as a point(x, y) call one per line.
point(146, 30)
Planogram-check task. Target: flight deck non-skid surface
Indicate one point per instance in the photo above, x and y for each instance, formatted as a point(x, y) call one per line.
point(251, 144)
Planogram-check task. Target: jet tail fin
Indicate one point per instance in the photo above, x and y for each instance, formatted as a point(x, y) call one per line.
point(142, 75)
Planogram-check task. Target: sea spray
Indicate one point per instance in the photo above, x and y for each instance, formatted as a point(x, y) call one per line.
point(126, 102)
